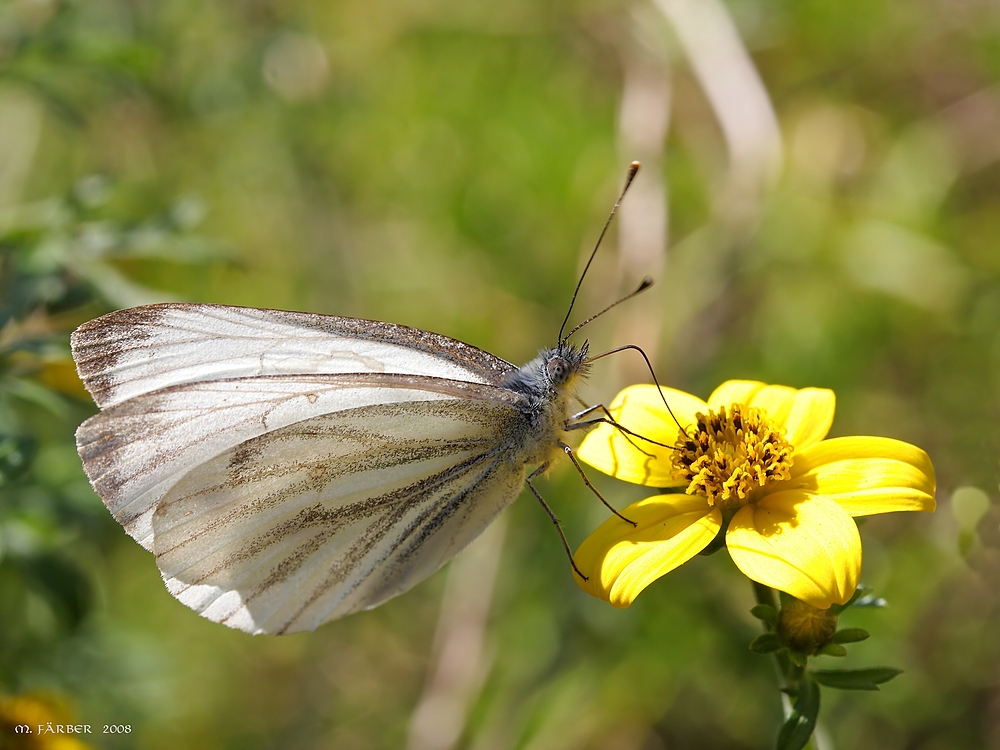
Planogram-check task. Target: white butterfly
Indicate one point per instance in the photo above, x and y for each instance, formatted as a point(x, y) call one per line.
point(287, 469)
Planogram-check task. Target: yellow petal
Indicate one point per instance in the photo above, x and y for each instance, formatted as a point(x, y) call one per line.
point(640, 409)
point(867, 475)
point(735, 392)
point(802, 545)
point(805, 415)
point(621, 561)
point(810, 416)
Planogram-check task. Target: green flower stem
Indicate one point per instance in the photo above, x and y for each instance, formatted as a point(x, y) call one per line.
point(788, 673)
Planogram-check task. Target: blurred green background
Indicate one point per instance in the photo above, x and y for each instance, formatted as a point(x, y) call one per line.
point(820, 205)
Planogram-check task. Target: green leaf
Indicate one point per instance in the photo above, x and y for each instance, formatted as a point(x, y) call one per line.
point(766, 643)
point(798, 728)
point(833, 649)
point(851, 635)
point(16, 455)
point(766, 613)
point(62, 584)
point(855, 679)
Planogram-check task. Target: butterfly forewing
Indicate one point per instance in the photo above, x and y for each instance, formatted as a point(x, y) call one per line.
point(336, 513)
point(143, 349)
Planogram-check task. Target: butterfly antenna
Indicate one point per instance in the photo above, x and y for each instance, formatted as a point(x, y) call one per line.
point(633, 168)
point(643, 286)
point(649, 366)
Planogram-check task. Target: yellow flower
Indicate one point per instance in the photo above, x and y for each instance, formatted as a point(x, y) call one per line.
point(752, 462)
point(38, 722)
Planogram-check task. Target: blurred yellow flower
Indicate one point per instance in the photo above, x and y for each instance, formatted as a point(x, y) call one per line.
point(39, 722)
point(753, 463)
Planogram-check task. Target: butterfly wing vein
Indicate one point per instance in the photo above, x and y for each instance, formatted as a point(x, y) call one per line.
point(328, 516)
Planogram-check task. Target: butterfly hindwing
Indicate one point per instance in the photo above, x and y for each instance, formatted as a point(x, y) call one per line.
point(135, 451)
point(335, 513)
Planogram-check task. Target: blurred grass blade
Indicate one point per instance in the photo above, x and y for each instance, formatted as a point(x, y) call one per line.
point(34, 393)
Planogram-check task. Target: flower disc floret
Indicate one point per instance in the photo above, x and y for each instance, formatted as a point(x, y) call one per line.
point(730, 454)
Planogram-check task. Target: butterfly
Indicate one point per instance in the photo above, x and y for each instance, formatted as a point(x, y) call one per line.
point(287, 469)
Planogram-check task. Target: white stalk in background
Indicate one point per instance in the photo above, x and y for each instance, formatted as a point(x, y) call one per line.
point(723, 68)
point(460, 661)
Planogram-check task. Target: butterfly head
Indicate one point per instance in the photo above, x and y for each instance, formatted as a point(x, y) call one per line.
point(563, 363)
point(551, 372)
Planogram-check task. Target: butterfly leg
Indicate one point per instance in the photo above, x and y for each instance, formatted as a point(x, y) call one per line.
point(588, 410)
point(541, 470)
point(592, 488)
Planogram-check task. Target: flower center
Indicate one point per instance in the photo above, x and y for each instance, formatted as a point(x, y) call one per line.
point(731, 454)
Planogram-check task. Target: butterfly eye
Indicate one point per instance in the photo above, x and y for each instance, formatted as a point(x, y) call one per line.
point(558, 370)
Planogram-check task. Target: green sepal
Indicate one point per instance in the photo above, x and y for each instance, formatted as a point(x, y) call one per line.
point(798, 728)
point(798, 658)
point(766, 613)
point(851, 635)
point(833, 649)
point(859, 592)
point(855, 679)
point(766, 643)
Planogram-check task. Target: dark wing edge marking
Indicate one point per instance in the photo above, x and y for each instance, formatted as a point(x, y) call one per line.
point(98, 344)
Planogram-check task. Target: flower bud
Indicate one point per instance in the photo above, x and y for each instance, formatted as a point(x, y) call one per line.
point(804, 627)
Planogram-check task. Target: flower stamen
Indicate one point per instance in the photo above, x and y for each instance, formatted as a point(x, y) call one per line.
point(731, 454)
